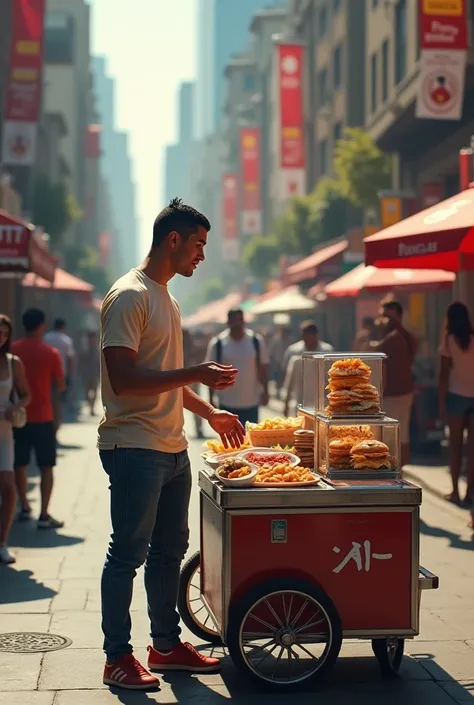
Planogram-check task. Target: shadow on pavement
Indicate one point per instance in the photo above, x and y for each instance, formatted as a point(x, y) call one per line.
point(26, 535)
point(21, 586)
point(454, 539)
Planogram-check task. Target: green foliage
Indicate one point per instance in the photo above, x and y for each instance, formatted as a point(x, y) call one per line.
point(362, 168)
point(260, 255)
point(54, 209)
point(213, 290)
point(83, 261)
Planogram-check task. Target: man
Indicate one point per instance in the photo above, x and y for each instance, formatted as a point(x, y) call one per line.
point(59, 340)
point(309, 334)
point(400, 347)
point(241, 348)
point(193, 356)
point(365, 336)
point(43, 369)
point(90, 369)
point(294, 367)
point(143, 447)
point(276, 352)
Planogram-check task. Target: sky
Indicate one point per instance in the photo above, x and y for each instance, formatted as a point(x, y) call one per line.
point(150, 46)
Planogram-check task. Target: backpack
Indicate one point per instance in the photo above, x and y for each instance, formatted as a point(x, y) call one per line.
point(256, 344)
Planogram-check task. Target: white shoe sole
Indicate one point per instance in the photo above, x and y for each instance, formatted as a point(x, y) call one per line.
point(116, 684)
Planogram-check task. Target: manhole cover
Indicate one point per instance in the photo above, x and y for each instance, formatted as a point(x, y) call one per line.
point(32, 642)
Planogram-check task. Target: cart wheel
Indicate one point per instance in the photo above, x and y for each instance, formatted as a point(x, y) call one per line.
point(284, 634)
point(191, 608)
point(389, 654)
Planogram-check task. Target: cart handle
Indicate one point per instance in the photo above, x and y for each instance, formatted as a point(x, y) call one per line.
point(427, 580)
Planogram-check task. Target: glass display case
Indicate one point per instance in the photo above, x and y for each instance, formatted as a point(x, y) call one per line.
point(309, 382)
point(368, 450)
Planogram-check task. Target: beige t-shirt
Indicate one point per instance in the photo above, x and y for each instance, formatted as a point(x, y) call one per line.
point(140, 314)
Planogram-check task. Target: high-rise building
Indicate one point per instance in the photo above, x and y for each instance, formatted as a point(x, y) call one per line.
point(222, 32)
point(116, 171)
point(178, 156)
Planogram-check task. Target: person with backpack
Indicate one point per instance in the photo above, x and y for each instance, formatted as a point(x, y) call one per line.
point(242, 348)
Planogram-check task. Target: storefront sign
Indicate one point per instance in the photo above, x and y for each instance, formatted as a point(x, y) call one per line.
point(443, 24)
point(21, 251)
point(441, 85)
point(23, 86)
point(250, 180)
point(230, 230)
point(289, 75)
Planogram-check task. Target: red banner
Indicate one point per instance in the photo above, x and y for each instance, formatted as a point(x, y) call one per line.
point(250, 175)
point(230, 230)
point(290, 80)
point(443, 24)
point(23, 94)
point(21, 250)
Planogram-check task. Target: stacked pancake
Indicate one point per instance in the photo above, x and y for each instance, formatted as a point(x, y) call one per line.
point(304, 446)
point(340, 453)
point(350, 391)
point(370, 455)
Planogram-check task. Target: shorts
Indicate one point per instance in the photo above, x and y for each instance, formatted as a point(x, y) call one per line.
point(399, 408)
point(40, 437)
point(457, 405)
point(6, 446)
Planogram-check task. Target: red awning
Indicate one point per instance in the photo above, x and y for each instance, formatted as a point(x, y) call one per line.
point(21, 250)
point(309, 267)
point(377, 281)
point(63, 281)
point(440, 237)
point(213, 312)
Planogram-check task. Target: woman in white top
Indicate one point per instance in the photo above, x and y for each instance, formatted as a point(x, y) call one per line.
point(12, 376)
point(456, 394)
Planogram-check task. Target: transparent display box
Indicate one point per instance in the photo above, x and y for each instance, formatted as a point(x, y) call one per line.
point(309, 382)
point(336, 439)
point(363, 404)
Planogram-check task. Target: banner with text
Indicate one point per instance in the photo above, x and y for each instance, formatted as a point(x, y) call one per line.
point(230, 229)
point(443, 43)
point(250, 180)
point(289, 76)
point(23, 87)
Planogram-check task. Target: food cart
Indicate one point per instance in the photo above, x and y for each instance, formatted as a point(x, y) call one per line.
point(284, 574)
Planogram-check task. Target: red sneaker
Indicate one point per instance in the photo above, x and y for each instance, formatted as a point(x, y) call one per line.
point(128, 673)
point(183, 658)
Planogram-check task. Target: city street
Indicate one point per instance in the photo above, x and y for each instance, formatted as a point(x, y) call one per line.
point(54, 588)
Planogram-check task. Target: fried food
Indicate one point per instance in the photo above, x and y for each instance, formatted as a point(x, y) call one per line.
point(285, 449)
point(277, 424)
point(233, 468)
point(350, 391)
point(304, 446)
point(216, 446)
point(370, 455)
point(360, 432)
point(284, 473)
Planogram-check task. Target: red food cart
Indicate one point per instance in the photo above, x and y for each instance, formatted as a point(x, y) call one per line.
point(285, 574)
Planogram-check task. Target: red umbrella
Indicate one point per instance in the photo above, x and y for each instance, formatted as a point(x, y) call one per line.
point(440, 237)
point(376, 281)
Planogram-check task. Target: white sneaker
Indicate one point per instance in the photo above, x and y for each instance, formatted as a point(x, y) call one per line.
point(5, 556)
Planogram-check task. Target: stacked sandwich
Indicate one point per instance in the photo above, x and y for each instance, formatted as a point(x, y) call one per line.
point(342, 440)
point(304, 446)
point(370, 455)
point(350, 391)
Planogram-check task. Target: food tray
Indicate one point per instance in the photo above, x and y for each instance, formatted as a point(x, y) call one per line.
point(361, 475)
point(288, 485)
point(293, 459)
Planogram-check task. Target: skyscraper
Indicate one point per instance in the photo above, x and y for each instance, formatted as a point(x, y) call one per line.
point(223, 27)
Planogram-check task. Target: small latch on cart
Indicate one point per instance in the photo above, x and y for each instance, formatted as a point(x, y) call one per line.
point(279, 531)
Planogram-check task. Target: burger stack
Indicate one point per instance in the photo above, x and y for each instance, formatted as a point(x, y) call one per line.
point(304, 447)
point(370, 455)
point(350, 391)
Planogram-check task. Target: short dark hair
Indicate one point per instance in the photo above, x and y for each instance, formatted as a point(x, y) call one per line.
point(59, 324)
point(394, 305)
point(5, 321)
point(179, 217)
point(32, 319)
point(233, 312)
point(309, 327)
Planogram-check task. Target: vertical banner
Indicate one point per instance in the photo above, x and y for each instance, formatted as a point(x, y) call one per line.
point(290, 128)
point(443, 45)
point(230, 229)
point(23, 86)
point(250, 180)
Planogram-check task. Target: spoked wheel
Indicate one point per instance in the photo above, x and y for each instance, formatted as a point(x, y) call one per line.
point(191, 608)
point(284, 634)
point(389, 654)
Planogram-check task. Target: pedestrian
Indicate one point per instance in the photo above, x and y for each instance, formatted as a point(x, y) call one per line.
point(193, 357)
point(145, 389)
point(43, 368)
point(14, 396)
point(245, 350)
point(293, 384)
point(58, 339)
point(456, 394)
point(308, 332)
point(400, 347)
point(365, 336)
point(276, 351)
point(90, 369)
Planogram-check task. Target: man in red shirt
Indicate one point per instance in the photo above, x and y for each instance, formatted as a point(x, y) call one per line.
point(43, 367)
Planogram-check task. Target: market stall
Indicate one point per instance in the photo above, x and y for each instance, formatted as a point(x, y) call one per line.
point(310, 512)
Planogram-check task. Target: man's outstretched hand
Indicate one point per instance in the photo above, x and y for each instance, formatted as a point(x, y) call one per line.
point(215, 375)
point(228, 427)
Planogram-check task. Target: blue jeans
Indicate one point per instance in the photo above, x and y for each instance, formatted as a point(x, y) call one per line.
point(149, 499)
